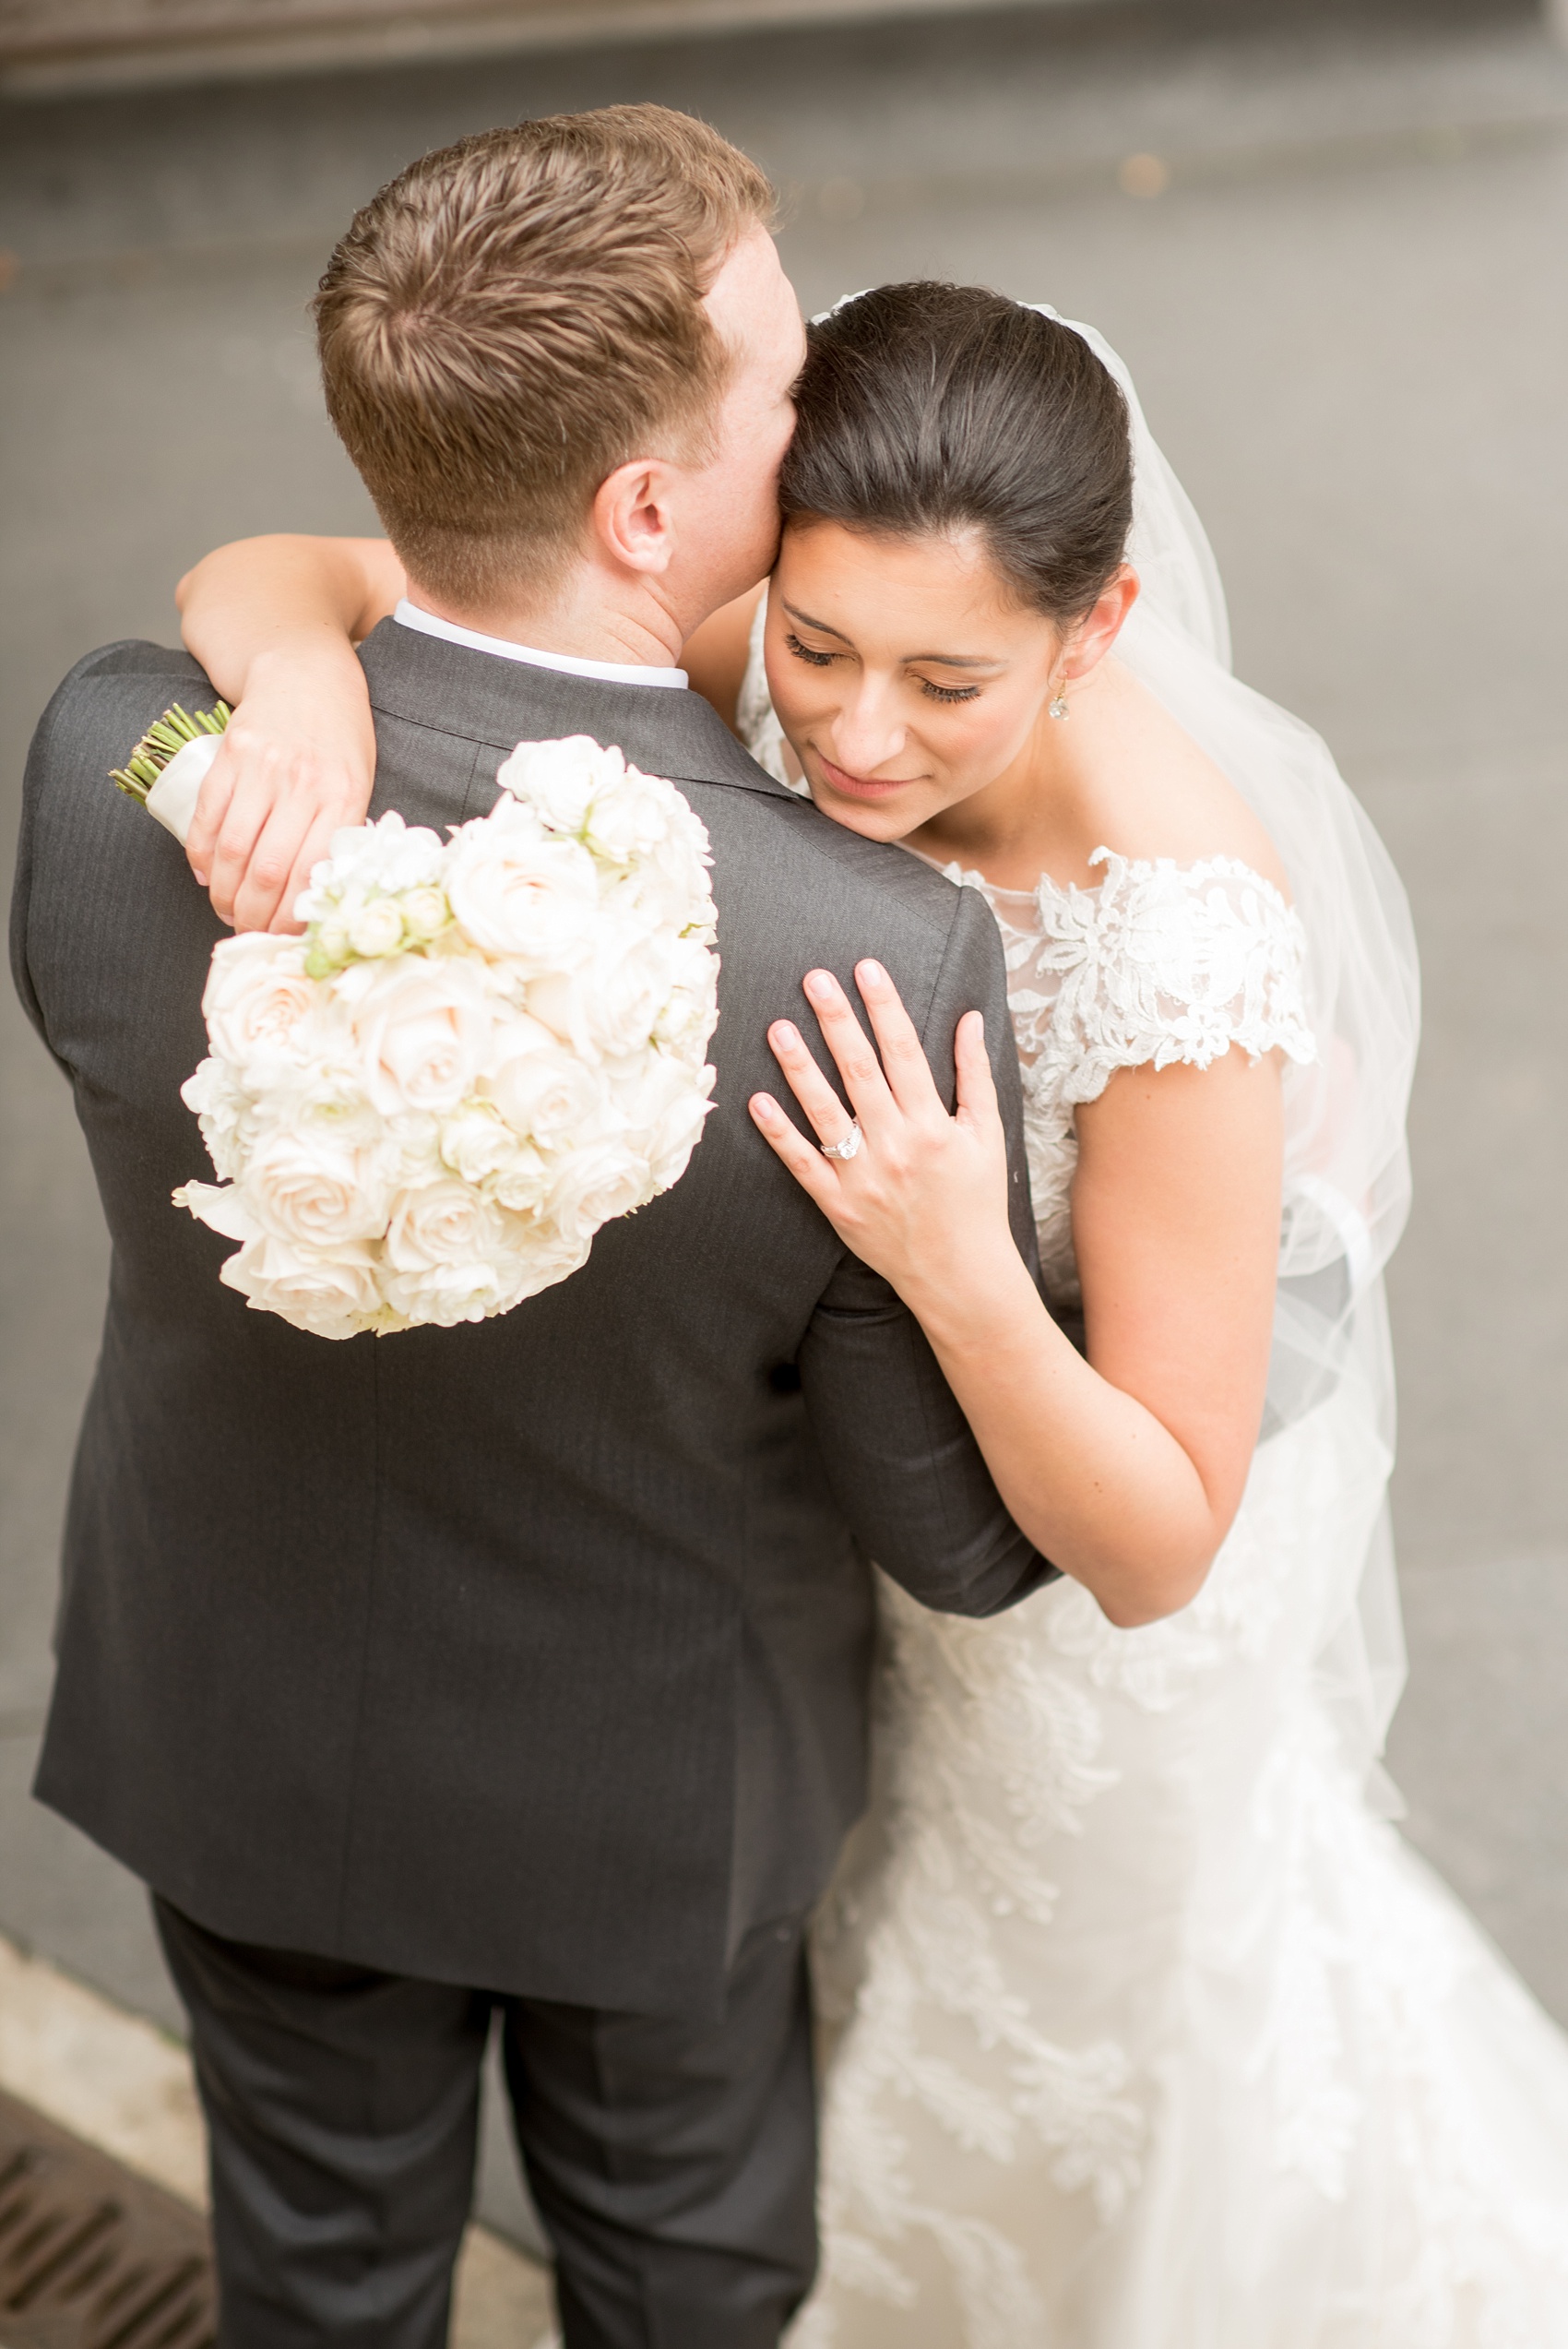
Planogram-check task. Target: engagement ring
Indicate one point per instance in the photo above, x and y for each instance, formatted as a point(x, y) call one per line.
point(848, 1146)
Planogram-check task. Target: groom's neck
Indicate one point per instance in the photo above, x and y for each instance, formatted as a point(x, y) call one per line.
point(589, 619)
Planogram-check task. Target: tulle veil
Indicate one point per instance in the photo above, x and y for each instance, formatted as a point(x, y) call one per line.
point(1346, 1169)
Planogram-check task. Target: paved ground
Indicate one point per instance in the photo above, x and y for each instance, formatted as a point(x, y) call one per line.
point(1346, 310)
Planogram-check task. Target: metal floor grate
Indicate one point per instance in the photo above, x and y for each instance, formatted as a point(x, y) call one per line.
point(92, 2256)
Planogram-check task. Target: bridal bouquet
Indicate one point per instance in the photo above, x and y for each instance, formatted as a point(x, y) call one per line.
point(482, 1050)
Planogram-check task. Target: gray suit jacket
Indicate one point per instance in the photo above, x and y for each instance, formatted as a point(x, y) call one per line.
point(530, 1655)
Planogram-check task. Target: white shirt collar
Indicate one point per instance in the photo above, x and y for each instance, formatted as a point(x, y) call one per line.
point(619, 672)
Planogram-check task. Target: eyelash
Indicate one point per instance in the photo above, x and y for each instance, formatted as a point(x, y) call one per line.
point(803, 651)
point(825, 660)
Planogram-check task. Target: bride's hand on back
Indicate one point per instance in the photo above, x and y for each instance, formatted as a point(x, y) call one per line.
point(924, 1200)
point(274, 622)
point(1125, 1469)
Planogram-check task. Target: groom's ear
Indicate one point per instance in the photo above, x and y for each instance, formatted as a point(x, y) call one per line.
point(633, 519)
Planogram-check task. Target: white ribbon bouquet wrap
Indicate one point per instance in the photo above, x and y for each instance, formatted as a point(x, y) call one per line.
point(482, 1050)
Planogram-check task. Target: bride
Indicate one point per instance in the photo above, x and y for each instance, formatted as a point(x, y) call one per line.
point(1147, 2030)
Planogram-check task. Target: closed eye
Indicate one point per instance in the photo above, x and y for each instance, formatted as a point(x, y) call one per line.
point(947, 692)
point(804, 652)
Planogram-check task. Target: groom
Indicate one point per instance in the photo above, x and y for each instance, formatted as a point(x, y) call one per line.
point(521, 1666)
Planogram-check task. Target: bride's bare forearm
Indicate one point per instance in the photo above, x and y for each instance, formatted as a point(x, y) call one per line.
point(1100, 1486)
point(286, 597)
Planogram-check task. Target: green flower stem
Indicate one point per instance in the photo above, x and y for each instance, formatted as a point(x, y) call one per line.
point(162, 739)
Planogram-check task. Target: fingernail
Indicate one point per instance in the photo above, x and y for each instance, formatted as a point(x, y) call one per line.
point(871, 974)
point(783, 1036)
point(763, 1110)
point(819, 985)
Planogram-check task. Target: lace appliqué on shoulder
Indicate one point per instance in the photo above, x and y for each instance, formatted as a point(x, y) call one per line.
point(1162, 963)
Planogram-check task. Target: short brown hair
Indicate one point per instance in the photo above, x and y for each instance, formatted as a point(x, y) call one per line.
point(513, 317)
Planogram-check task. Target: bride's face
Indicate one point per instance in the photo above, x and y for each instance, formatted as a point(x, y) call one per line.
point(904, 674)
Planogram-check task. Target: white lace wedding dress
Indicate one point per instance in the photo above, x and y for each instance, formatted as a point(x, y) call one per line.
point(1151, 2032)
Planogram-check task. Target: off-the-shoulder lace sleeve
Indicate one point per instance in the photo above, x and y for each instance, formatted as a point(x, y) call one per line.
point(1161, 963)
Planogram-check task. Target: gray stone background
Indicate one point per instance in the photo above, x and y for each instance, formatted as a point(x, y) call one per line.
point(1345, 307)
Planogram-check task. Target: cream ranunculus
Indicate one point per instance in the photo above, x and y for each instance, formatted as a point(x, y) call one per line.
point(425, 913)
point(329, 1297)
point(315, 1191)
point(256, 997)
point(375, 928)
point(595, 1183)
point(422, 1025)
point(534, 901)
point(548, 1096)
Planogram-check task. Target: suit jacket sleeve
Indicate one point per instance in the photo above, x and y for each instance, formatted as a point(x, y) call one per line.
point(904, 1466)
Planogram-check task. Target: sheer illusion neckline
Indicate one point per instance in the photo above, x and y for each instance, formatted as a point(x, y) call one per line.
point(1048, 890)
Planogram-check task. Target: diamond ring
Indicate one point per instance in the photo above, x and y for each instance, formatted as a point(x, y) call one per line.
point(848, 1146)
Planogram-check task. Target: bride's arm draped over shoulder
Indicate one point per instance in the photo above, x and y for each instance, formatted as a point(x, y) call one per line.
point(274, 622)
point(1124, 1469)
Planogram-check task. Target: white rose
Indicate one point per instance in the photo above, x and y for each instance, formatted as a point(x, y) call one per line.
point(221, 1109)
point(443, 1222)
point(221, 1211)
point(445, 1294)
point(452, 1256)
point(559, 778)
point(595, 1184)
point(257, 994)
point(536, 900)
point(624, 989)
point(666, 1105)
point(477, 1143)
point(629, 816)
point(549, 1256)
point(547, 1095)
point(422, 1027)
point(315, 1192)
point(523, 1185)
point(690, 1012)
point(376, 928)
point(669, 887)
point(334, 1295)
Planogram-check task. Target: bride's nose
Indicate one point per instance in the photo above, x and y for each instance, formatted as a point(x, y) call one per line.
point(868, 731)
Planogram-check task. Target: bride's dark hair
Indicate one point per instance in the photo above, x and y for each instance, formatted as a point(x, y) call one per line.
point(928, 409)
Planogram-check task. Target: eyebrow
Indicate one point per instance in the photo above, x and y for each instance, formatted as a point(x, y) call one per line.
point(943, 660)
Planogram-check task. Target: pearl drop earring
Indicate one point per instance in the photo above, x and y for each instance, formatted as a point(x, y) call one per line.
point(1057, 706)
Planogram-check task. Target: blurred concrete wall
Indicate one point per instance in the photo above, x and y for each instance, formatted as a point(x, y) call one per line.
point(54, 45)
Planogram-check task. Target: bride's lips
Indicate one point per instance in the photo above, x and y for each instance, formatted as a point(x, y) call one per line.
point(860, 786)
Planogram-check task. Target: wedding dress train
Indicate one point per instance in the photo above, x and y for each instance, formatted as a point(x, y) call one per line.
point(1150, 2030)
